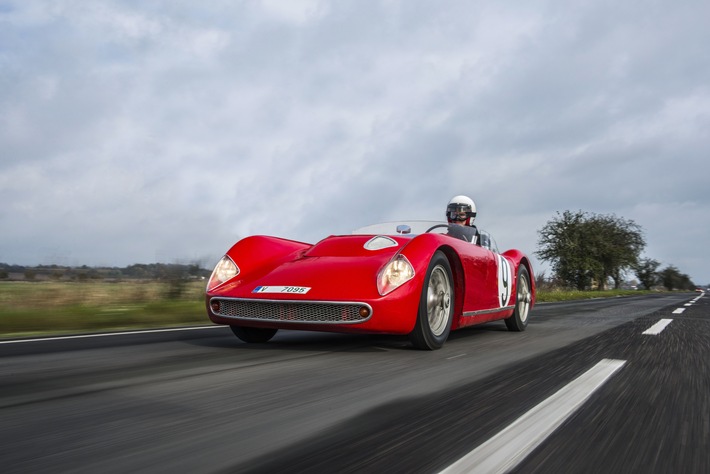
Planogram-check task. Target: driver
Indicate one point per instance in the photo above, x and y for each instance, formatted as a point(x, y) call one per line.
point(460, 213)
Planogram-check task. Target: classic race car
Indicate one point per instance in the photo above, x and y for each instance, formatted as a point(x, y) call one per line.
point(394, 278)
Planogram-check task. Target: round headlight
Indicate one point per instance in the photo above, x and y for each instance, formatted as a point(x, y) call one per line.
point(396, 273)
point(225, 270)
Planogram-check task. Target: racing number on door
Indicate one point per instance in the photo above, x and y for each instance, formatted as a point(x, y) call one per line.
point(504, 281)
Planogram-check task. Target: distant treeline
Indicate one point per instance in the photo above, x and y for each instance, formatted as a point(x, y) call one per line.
point(151, 271)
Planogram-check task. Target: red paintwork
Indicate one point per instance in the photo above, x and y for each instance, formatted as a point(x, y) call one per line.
point(339, 268)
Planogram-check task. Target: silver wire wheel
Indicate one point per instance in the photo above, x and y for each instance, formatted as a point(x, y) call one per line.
point(519, 320)
point(524, 298)
point(438, 304)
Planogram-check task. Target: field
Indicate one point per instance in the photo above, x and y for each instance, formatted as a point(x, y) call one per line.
point(35, 308)
point(73, 307)
point(566, 295)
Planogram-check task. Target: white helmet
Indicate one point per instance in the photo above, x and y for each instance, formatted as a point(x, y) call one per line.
point(461, 209)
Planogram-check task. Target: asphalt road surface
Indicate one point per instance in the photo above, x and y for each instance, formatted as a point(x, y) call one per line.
point(582, 390)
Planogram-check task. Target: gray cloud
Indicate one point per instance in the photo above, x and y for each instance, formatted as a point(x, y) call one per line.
point(134, 133)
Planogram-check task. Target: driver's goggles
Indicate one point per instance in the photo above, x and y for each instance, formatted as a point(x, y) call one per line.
point(458, 216)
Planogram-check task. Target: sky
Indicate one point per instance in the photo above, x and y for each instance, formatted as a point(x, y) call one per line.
point(165, 131)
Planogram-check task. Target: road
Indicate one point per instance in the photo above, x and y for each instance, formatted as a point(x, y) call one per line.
point(201, 401)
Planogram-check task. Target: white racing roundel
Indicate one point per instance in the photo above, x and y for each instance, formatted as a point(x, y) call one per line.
point(504, 281)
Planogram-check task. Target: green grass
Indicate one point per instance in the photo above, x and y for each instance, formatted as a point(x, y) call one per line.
point(28, 309)
point(62, 307)
point(566, 295)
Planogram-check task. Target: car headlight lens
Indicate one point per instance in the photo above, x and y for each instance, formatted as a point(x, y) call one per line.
point(225, 270)
point(396, 273)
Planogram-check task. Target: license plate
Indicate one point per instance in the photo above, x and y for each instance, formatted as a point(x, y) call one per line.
point(295, 290)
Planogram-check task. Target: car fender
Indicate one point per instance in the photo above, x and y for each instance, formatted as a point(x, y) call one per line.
point(518, 258)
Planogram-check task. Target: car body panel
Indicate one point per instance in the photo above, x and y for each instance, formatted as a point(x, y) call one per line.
point(344, 268)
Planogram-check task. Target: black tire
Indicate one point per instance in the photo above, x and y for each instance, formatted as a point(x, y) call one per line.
point(253, 335)
point(436, 305)
point(523, 296)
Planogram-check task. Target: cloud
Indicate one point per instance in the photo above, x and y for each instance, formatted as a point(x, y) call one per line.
point(133, 132)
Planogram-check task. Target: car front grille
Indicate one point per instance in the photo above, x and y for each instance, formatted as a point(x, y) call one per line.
point(315, 312)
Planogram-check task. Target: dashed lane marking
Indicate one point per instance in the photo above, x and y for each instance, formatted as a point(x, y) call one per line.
point(509, 447)
point(658, 327)
point(679, 310)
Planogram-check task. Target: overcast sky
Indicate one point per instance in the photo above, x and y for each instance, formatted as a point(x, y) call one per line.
point(164, 131)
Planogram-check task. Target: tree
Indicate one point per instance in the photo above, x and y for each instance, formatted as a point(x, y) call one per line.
point(583, 247)
point(176, 277)
point(620, 244)
point(673, 279)
point(686, 283)
point(56, 274)
point(562, 243)
point(646, 272)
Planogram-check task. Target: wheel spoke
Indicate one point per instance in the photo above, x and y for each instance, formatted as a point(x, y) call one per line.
point(438, 300)
point(524, 298)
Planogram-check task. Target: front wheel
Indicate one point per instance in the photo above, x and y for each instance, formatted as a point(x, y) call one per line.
point(255, 335)
point(436, 306)
point(519, 320)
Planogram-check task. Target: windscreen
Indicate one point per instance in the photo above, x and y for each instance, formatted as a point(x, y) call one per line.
point(405, 228)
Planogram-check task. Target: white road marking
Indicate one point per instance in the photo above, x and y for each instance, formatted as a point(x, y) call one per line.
point(658, 327)
point(509, 447)
point(679, 310)
point(455, 357)
point(105, 334)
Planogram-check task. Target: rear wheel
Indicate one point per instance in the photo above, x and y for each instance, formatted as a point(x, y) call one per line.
point(436, 306)
point(519, 320)
point(256, 335)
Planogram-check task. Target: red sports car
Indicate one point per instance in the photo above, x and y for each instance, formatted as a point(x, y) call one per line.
point(395, 278)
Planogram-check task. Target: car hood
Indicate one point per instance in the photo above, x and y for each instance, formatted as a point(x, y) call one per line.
point(357, 246)
point(336, 268)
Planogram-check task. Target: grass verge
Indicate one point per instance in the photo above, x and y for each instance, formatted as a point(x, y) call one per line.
point(31, 309)
point(567, 295)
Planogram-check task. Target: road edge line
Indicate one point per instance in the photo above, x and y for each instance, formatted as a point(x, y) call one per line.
point(105, 334)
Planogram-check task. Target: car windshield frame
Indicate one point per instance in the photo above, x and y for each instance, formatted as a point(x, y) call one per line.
point(390, 228)
point(418, 227)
